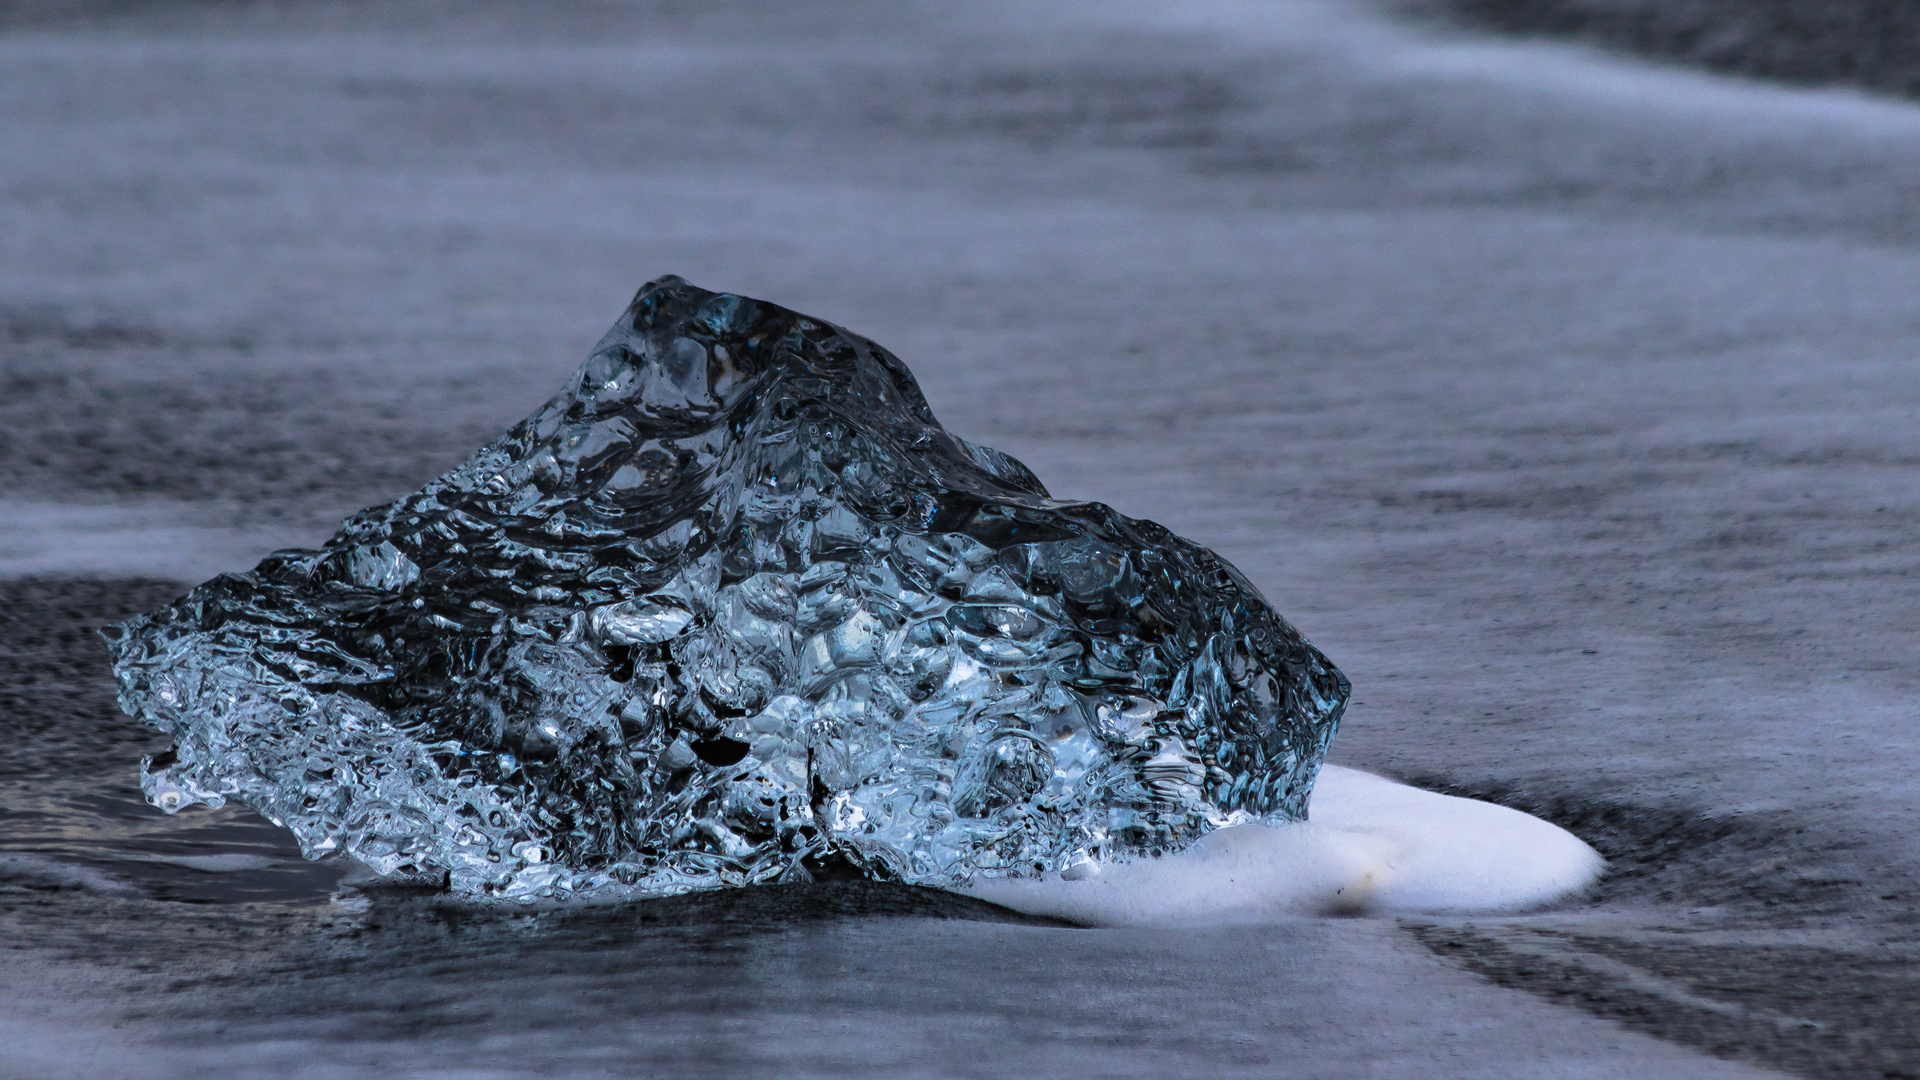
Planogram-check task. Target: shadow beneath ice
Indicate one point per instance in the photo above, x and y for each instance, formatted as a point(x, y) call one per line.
point(770, 907)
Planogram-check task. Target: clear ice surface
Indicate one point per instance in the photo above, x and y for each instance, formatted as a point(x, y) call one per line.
point(734, 608)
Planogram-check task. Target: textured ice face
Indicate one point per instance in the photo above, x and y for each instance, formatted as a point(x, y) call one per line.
point(734, 608)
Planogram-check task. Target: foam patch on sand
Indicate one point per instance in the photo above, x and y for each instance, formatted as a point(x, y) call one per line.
point(1370, 846)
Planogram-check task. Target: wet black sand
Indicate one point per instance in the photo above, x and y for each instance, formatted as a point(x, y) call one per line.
point(1871, 44)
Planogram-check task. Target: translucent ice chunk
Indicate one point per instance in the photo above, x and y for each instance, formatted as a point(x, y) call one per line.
point(734, 608)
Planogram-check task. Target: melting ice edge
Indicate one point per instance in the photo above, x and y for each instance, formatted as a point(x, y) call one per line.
point(734, 608)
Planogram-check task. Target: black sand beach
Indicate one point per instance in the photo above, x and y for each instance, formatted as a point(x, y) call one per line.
point(1568, 403)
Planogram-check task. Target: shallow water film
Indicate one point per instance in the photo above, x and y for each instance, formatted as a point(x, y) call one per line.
point(731, 609)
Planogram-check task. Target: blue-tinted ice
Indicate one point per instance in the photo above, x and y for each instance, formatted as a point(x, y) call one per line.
point(734, 608)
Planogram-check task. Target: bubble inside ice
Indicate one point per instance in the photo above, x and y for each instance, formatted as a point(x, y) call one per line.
point(734, 608)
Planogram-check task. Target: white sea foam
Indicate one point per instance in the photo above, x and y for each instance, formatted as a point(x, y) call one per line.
point(1371, 846)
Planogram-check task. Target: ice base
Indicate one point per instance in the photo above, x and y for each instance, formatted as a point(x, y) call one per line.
point(1370, 846)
